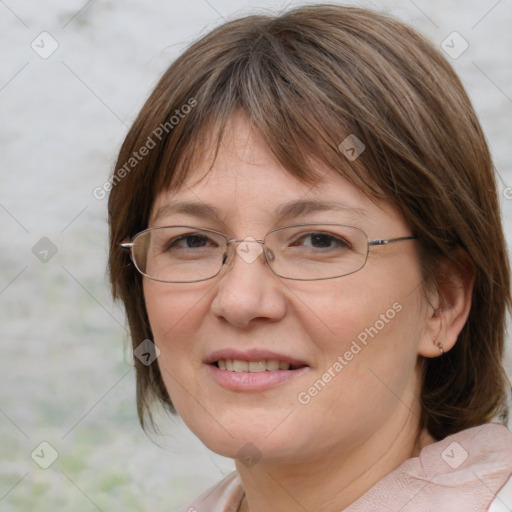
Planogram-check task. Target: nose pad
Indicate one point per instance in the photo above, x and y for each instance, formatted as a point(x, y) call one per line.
point(227, 257)
point(231, 251)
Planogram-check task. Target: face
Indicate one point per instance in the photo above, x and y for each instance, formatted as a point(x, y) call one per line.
point(351, 342)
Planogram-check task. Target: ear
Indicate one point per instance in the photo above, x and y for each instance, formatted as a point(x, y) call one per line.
point(449, 305)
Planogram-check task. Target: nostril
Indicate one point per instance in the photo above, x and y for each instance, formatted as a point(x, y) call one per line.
point(224, 258)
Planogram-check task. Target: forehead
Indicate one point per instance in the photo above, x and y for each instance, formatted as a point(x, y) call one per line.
point(247, 181)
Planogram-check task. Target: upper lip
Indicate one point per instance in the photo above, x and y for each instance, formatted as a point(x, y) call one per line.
point(253, 354)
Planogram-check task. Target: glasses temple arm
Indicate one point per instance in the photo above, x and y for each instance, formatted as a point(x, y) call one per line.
point(391, 240)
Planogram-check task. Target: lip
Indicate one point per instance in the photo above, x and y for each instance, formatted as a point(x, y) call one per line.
point(247, 381)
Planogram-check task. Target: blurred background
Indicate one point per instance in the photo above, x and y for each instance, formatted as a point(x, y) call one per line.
point(73, 76)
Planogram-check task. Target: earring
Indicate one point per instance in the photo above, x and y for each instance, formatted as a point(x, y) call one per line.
point(439, 345)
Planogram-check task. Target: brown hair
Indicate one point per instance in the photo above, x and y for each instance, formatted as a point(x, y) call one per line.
point(306, 79)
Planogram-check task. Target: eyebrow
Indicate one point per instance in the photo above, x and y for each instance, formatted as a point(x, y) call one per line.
point(304, 207)
point(286, 211)
point(196, 209)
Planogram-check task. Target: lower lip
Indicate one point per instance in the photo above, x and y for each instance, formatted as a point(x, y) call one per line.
point(258, 381)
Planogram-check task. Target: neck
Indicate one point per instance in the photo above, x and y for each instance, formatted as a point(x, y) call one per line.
point(331, 481)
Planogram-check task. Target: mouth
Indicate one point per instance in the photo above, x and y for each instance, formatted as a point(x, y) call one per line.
point(258, 366)
point(253, 370)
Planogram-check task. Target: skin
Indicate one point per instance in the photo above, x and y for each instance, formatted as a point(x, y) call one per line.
point(323, 455)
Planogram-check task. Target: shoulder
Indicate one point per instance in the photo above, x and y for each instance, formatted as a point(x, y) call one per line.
point(476, 462)
point(225, 496)
point(469, 470)
point(502, 502)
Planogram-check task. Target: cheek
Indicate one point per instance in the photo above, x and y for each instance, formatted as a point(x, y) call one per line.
point(361, 342)
point(175, 316)
point(173, 307)
point(364, 329)
point(336, 313)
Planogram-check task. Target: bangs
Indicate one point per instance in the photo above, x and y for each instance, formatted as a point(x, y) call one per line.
point(279, 86)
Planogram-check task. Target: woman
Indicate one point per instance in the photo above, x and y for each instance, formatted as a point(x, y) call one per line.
point(318, 281)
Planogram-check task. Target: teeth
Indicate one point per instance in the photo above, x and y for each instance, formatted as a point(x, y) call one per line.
point(272, 365)
point(240, 366)
point(257, 366)
point(235, 365)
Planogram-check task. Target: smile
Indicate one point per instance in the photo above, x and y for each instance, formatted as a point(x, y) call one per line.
point(270, 365)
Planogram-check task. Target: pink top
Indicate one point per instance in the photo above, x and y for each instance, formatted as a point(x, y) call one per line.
point(462, 473)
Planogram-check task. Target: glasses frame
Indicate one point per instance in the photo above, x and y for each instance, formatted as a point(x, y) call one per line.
point(380, 242)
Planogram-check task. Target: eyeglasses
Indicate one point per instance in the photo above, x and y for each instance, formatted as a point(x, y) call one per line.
point(304, 252)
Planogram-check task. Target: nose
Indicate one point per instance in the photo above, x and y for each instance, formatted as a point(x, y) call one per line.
point(248, 290)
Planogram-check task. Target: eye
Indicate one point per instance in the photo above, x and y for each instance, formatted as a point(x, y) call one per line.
point(320, 241)
point(190, 241)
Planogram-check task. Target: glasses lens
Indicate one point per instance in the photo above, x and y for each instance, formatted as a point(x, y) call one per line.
point(179, 253)
point(317, 251)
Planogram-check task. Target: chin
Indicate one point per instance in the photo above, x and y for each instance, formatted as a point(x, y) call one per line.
point(233, 439)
